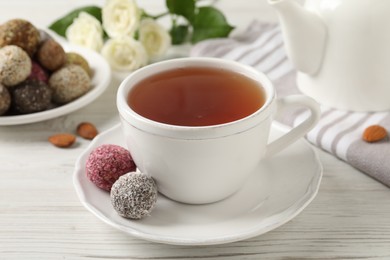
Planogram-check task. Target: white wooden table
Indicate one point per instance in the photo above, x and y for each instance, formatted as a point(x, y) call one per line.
point(42, 218)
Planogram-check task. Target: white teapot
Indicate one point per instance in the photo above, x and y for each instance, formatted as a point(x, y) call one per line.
point(341, 49)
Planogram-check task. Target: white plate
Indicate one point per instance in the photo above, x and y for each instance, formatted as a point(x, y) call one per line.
point(280, 188)
point(100, 81)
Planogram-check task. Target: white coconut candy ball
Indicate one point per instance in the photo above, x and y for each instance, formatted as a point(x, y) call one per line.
point(15, 65)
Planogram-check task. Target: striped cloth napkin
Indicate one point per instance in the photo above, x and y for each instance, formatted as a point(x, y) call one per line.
point(338, 132)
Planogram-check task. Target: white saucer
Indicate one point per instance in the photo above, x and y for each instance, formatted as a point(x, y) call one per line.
point(100, 81)
point(279, 190)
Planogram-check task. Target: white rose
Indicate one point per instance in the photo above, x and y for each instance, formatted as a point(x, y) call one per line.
point(125, 53)
point(120, 17)
point(154, 37)
point(86, 31)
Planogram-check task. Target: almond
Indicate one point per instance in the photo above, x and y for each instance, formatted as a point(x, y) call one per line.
point(63, 140)
point(87, 130)
point(374, 133)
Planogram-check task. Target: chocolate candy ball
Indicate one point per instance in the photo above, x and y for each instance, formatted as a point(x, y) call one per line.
point(5, 100)
point(77, 59)
point(31, 96)
point(134, 195)
point(21, 33)
point(51, 55)
point(68, 83)
point(107, 163)
point(15, 65)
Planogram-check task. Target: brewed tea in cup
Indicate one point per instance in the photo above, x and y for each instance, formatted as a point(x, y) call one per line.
point(196, 96)
point(200, 126)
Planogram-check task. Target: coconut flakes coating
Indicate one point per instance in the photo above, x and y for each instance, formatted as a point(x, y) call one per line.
point(21, 33)
point(69, 83)
point(15, 65)
point(134, 195)
point(31, 96)
point(5, 100)
point(107, 163)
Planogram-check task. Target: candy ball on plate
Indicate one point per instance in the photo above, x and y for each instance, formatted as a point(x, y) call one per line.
point(107, 163)
point(77, 59)
point(21, 33)
point(51, 55)
point(5, 100)
point(15, 65)
point(31, 96)
point(68, 83)
point(38, 73)
point(134, 195)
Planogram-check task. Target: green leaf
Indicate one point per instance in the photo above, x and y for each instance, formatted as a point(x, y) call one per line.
point(184, 8)
point(179, 34)
point(63, 23)
point(208, 23)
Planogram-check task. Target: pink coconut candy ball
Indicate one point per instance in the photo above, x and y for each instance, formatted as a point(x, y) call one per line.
point(38, 73)
point(107, 163)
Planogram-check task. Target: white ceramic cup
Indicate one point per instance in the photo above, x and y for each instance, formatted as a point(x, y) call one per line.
point(208, 163)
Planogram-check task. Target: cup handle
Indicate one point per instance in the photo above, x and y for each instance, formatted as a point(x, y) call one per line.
point(298, 131)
